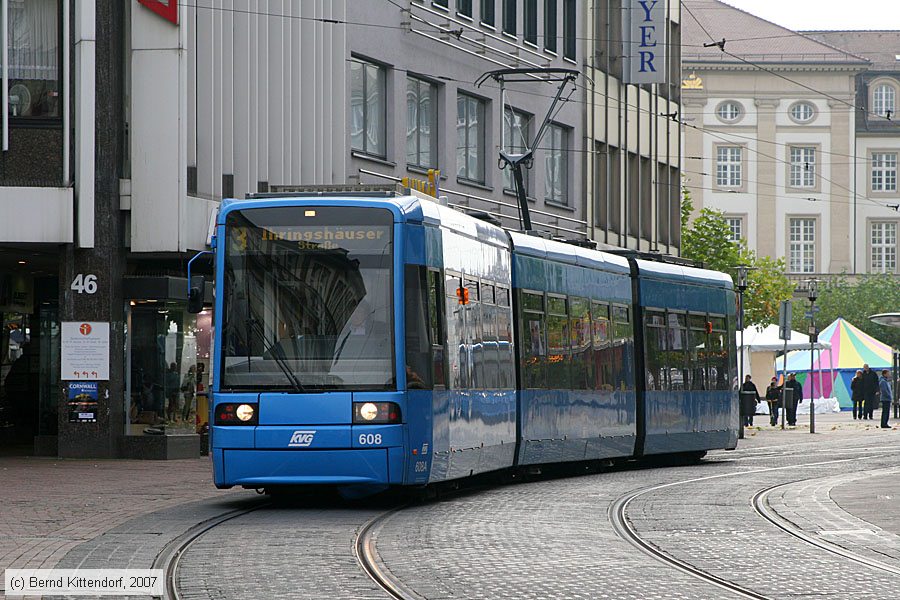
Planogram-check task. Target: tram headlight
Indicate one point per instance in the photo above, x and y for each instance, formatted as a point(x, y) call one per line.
point(230, 413)
point(244, 412)
point(368, 411)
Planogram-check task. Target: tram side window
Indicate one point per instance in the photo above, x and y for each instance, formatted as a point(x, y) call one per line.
point(718, 355)
point(624, 346)
point(655, 342)
point(489, 355)
point(698, 351)
point(474, 342)
point(600, 333)
point(457, 354)
point(418, 348)
point(580, 336)
point(676, 353)
point(534, 340)
point(506, 370)
point(557, 343)
point(436, 328)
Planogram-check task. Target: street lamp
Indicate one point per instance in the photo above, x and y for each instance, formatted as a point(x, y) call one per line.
point(742, 272)
point(812, 292)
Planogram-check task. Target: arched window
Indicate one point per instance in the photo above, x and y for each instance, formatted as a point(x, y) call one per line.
point(729, 111)
point(802, 112)
point(883, 100)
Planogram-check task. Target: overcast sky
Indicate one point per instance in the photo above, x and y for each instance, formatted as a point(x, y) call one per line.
point(825, 14)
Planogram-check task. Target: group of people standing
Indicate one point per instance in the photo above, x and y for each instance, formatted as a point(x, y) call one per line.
point(865, 388)
point(773, 397)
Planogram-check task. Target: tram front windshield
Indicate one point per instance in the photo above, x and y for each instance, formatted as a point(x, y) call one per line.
point(307, 300)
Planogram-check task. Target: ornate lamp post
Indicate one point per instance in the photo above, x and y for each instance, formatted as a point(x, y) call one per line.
point(742, 272)
point(812, 292)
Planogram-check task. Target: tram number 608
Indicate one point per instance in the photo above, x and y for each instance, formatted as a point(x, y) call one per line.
point(369, 439)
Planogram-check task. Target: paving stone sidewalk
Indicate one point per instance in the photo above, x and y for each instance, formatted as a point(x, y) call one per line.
point(51, 506)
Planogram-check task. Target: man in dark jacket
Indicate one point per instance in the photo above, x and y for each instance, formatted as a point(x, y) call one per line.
point(886, 392)
point(749, 400)
point(869, 390)
point(797, 398)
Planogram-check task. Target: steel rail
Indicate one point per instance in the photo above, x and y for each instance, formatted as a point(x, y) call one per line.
point(170, 556)
point(760, 505)
point(367, 557)
point(623, 528)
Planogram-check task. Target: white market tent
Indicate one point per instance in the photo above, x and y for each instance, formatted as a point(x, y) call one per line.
point(760, 346)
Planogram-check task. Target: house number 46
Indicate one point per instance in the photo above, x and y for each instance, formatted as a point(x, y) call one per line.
point(84, 284)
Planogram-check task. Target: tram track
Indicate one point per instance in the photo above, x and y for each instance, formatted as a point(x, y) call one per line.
point(169, 558)
point(367, 556)
point(618, 518)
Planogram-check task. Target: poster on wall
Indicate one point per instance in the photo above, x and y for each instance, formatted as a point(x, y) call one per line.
point(85, 351)
point(82, 401)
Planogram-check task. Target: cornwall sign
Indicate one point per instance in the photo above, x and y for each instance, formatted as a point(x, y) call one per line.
point(645, 41)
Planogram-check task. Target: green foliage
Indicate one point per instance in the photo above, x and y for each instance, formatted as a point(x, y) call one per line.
point(707, 240)
point(855, 302)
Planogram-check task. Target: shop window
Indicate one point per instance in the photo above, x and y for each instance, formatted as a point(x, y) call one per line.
point(169, 358)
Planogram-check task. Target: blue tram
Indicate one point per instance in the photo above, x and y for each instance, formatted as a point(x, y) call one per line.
point(379, 339)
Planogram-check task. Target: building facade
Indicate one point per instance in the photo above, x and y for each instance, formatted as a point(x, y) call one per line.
point(633, 185)
point(772, 137)
point(128, 122)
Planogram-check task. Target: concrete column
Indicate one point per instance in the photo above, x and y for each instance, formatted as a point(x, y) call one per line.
point(841, 201)
point(767, 218)
point(106, 259)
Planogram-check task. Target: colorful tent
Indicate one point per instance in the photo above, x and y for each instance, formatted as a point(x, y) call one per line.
point(851, 348)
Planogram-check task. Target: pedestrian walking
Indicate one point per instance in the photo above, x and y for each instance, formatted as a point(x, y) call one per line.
point(887, 395)
point(773, 397)
point(188, 388)
point(856, 396)
point(796, 398)
point(749, 400)
point(870, 390)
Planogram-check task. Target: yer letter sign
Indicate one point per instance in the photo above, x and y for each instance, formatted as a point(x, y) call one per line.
point(645, 41)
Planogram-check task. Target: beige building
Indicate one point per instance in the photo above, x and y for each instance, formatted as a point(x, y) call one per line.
point(776, 136)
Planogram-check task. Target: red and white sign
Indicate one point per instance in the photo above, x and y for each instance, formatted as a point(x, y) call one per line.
point(84, 351)
point(167, 9)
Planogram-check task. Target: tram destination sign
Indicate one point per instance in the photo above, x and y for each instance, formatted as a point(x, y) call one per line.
point(85, 351)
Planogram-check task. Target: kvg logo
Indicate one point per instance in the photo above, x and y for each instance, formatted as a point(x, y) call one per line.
point(301, 439)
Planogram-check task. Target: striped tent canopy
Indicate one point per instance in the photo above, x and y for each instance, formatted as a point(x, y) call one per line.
point(851, 348)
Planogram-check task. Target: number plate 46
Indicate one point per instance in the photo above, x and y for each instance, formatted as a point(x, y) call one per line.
point(84, 284)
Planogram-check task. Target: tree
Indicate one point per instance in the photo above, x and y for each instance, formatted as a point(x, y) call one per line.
point(839, 297)
point(708, 240)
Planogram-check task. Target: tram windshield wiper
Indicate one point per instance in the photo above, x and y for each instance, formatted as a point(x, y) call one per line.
point(277, 352)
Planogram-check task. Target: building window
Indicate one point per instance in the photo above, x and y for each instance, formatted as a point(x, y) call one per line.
point(570, 34)
point(550, 25)
point(736, 228)
point(509, 17)
point(729, 112)
point(556, 164)
point(516, 133)
point(802, 112)
point(803, 167)
point(34, 59)
point(802, 245)
point(883, 100)
point(884, 171)
point(421, 123)
point(884, 247)
point(464, 7)
point(367, 108)
point(531, 20)
point(728, 166)
point(470, 138)
point(487, 12)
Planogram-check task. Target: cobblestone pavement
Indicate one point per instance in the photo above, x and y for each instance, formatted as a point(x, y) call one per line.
point(52, 506)
point(550, 538)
